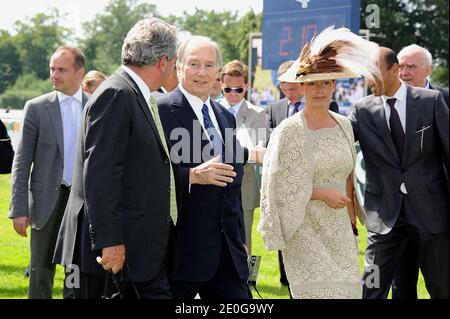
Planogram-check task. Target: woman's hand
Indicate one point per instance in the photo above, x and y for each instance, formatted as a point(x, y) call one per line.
point(334, 199)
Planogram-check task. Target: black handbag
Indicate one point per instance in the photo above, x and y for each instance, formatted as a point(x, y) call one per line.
point(116, 279)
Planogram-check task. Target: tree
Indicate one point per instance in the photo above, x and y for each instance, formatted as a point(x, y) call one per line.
point(249, 23)
point(102, 44)
point(221, 27)
point(37, 39)
point(10, 66)
point(404, 22)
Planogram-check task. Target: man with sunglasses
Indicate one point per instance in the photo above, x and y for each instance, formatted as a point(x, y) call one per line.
point(234, 77)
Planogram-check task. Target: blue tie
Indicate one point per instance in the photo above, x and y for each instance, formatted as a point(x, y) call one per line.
point(213, 134)
point(297, 107)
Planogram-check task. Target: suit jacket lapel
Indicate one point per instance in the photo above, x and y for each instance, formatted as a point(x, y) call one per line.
point(56, 120)
point(380, 120)
point(412, 116)
point(284, 111)
point(242, 114)
point(142, 103)
point(185, 115)
point(84, 99)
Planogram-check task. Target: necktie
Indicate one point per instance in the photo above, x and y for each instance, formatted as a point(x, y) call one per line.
point(213, 134)
point(397, 133)
point(296, 107)
point(232, 111)
point(70, 139)
point(173, 198)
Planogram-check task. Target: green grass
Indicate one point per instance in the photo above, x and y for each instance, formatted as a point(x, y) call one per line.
point(14, 257)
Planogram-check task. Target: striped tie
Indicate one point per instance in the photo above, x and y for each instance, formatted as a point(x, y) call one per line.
point(173, 199)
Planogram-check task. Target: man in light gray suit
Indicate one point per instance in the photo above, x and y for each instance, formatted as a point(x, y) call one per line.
point(234, 77)
point(404, 136)
point(46, 151)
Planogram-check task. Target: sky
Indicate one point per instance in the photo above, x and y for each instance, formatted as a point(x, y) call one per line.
point(85, 10)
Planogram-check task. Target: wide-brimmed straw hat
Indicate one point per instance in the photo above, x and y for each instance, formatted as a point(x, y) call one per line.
point(334, 54)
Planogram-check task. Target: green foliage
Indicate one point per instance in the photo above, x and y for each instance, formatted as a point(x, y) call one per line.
point(423, 22)
point(440, 76)
point(106, 32)
point(27, 87)
point(37, 39)
point(10, 67)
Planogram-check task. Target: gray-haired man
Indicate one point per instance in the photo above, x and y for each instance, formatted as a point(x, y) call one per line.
point(122, 205)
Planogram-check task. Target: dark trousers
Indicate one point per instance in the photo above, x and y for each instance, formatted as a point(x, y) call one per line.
point(225, 284)
point(404, 285)
point(42, 247)
point(95, 287)
point(96, 284)
point(384, 252)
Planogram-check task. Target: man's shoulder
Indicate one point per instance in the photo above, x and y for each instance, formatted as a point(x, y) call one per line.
point(254, 108)
point(280, 103)
point(170, 98)
point(43, 99)
point(365, 101)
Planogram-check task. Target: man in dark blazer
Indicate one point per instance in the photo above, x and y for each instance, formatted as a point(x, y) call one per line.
point(6, 151)
point(415, 68)
point(43, 165)
point(122, 205)
point(403, 133)
point(210, 257)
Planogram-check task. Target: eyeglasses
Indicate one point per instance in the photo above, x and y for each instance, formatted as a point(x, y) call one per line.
point(235, 90)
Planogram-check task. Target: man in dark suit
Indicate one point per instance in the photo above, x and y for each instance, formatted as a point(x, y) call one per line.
point(6, 151)
point(43, 165)
point(123, 203)
point(211, 259)
point(415, 69)
point(416, 65)
point(403, 133)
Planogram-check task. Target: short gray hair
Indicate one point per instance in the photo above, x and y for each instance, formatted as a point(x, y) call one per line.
point(148, 41)
point(194, 42)
point(413, 48)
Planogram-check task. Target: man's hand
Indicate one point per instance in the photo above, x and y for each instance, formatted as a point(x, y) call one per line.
point(20, 225)
point(257, 154)
point(212, 173)
point(112, 258)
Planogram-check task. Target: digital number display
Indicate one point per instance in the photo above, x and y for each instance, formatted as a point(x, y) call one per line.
point(287, 26)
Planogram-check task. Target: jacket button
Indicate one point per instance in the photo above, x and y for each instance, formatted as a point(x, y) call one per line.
point(168, 189)
point(166, 162)
point(169, 220)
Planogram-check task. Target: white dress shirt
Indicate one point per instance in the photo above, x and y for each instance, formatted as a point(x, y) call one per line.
point(400, 105)
point(234, 109)
point(145, 90)
point(71, 109)
point(197, 105)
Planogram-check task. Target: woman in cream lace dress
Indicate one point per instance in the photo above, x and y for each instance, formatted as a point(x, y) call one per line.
point(307, 201)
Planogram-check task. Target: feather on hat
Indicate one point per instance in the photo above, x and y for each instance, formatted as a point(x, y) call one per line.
point(335, 54)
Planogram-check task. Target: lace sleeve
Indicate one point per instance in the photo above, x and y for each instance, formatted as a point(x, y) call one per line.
point(286, 184)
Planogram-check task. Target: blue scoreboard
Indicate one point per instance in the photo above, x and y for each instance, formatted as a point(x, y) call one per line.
point(289, 24)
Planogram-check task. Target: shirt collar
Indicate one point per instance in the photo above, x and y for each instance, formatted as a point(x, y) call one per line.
point(400, 95)
point(77, 96)
point(193, 100)
point(140, 83)
point(235, 107)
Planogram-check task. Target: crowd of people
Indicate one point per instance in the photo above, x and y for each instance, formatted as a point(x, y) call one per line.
point(146, 180)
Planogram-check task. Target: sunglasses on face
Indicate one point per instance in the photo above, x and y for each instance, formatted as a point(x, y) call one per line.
point(234, 90)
